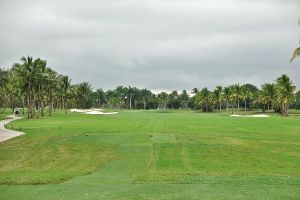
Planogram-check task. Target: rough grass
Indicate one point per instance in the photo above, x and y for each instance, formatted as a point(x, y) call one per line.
point(4, 112)
point(152, 155)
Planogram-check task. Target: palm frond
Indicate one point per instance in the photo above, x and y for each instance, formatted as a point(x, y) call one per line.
point(295, 54)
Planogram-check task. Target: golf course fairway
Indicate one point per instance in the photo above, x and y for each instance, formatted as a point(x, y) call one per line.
point(152, 155)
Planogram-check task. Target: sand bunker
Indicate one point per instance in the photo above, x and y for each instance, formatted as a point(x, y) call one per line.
point(98, 109)
point(93, 112)
point(260, 115)
point(77, 110)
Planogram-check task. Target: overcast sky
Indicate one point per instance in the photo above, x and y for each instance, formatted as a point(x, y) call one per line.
point(157, 44)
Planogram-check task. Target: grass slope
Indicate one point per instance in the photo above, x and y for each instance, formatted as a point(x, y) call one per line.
point(152, 155)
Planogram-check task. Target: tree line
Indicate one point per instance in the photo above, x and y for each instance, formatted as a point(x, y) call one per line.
point(33, 85)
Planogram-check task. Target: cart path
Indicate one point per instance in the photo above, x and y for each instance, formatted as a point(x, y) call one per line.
point(6, 134)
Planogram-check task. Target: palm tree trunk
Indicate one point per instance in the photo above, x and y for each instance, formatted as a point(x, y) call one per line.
point(38, 101)
point(66, 110)
point(28, 104)
point(30, 101)
point(50, 102)
point(62, 103)
point(42, 103)
point(23, 106)
point(271, 105)
point(245, 104)
point(286, 109)
point(130, 102)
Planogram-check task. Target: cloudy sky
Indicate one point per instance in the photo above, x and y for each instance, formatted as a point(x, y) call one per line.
point(158, 44)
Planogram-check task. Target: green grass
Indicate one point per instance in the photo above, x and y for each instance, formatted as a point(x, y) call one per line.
point(5, 112)
point(152, 155)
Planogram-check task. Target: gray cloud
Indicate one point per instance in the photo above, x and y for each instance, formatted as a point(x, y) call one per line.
point(158, 44)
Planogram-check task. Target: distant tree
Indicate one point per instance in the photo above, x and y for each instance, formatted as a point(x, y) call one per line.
point(263, 99)
point(100, 97)
point(66, 82)
point(284, 93)
point(226, 95)
point(237, 92)
point(28, 71)
point(3, 87)
point(195, 91)
point(268, 94)
point(245, 94)
point(296, 103)
point(40, 79)
point(130, 93)
point(251, 93)
point(184, 99)
point(218, 96)
point(173, 98)
point(203, 99)
point(83, 92)
point(163, 99)
point(50, 86)
point(146, 95)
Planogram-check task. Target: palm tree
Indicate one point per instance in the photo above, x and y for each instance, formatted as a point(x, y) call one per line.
point(3, 77)
point(3, 87)
point(195, 91)
point(130, 93)
point(184, 98)
point(51, 83)
point(66, 82)
point(13, 90)
point(203, 98)
point(245, 94)
point(100, 97)
point(136, 96)
point(173, 98)
point(263, 99)
point(28, 71)
point(268, 91)
point(83, 91)
point(146, 95)
point(284, 93)
point(163, 98)
point(296, 52)
point(41, 77)
point(237, 95)
point(226, 94)
point(218, 96)
point(230, 96)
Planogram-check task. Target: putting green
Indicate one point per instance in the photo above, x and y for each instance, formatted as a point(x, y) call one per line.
point(152, 155)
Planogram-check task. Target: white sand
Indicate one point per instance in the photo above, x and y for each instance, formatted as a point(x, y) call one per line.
point(93, 112)
point(6, 134)
point(100, 113)
point(98, 109)
point(77, 110)
point(260, 115)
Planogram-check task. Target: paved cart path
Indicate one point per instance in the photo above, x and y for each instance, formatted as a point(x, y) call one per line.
point(6, 134)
